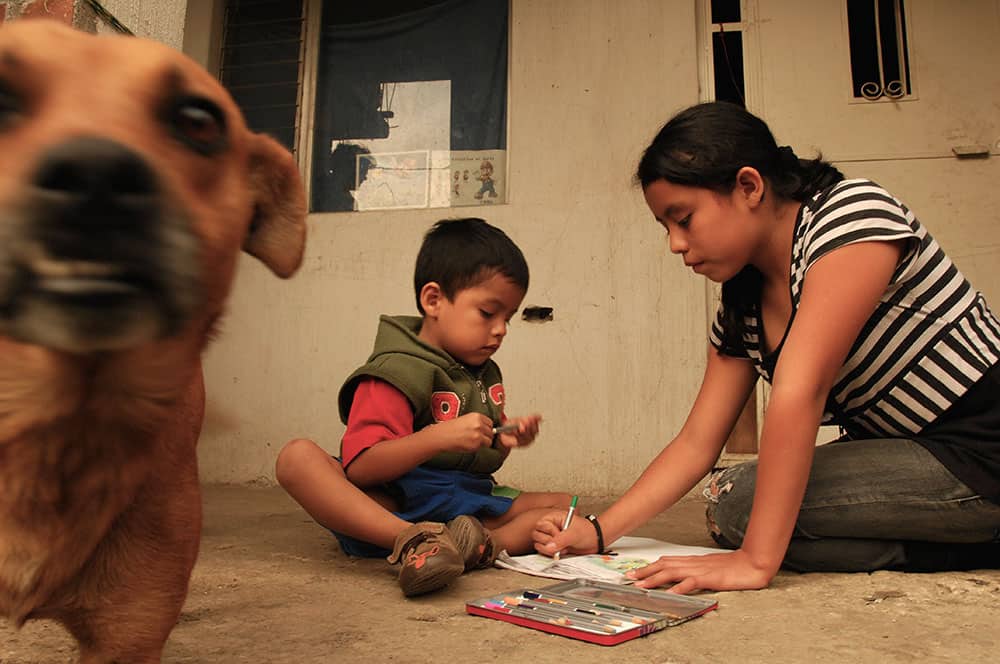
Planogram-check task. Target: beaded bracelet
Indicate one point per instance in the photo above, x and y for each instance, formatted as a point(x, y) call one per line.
point(600, 533)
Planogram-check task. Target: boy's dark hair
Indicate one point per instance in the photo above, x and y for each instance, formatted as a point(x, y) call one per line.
point(705, 146)
point(461, 253)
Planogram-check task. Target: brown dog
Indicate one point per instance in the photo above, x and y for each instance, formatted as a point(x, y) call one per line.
point(128, 185)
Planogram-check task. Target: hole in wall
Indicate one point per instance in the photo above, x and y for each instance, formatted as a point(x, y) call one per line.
point(536, 314)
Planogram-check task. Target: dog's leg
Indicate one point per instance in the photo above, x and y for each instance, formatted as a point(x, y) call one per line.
point(138, 577)
point(136, 614)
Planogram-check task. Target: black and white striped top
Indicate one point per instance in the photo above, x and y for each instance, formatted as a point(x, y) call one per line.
point(928, 341)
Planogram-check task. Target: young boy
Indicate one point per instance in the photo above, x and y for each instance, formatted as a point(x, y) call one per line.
point(414, 477)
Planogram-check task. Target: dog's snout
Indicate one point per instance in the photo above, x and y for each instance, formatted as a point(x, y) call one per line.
point(93, 198)
point(104, 256)
point(92, 169)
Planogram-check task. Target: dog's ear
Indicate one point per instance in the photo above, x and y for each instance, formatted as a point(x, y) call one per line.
point(277, 233)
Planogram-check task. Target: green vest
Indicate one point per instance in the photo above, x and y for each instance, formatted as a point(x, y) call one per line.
point(437, 386)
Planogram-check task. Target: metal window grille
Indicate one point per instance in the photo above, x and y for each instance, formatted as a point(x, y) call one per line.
point(880, 64)
point(261, 65)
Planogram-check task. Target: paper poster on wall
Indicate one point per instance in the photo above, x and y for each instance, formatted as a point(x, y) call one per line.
point(392, 180)
point(469, 177)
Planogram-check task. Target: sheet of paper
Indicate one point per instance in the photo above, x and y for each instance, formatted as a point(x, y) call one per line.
point(629, 553)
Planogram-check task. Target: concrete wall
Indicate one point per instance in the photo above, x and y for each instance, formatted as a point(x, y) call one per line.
point(906, 146)
point(615, 372)
point(162, 20)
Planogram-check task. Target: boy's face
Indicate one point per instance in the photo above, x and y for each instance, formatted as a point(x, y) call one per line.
point(471, 327)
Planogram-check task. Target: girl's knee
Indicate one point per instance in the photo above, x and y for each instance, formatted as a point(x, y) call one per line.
point(729, 493)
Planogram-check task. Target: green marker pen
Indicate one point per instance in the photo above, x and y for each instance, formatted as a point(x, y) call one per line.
point(569, 520)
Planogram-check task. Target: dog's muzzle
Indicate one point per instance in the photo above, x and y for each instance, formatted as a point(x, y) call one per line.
point(94, 256)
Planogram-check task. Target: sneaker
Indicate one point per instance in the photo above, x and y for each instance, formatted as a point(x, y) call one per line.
point(474, 542)
point(429, 558)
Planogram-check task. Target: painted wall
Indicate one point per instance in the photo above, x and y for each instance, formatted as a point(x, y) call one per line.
point(904, 146)
point(588, 89)
point(591, 80)
point(162, 20)
point(616, 370)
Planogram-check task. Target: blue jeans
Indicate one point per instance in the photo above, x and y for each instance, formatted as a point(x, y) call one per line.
point(870, 504)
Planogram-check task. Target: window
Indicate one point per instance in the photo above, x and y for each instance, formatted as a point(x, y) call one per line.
point(407, 105)
point(880, 65)
point(727, 51)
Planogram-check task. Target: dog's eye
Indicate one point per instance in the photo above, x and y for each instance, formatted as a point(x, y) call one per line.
point(199, 124)
point(10, 106)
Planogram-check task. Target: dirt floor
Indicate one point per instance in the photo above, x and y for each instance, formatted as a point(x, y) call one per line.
point(271, 586)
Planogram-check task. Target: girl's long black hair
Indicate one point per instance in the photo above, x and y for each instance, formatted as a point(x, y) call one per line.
point(705, 146)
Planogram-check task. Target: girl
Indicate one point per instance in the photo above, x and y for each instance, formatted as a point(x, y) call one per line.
point(838, 296)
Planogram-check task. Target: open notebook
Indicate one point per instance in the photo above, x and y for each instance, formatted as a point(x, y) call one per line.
point(625, 554)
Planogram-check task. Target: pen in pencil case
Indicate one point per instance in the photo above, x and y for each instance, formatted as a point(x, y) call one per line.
point(505, 428)
point(538, 610)
point(611, 615)
point(621, 612)
point(573, 612)
point(566, 622)
point(553, 617)
point(567, 606)
point(587, 615)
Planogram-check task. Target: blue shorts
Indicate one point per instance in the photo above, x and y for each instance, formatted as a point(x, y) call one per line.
point(426, 494)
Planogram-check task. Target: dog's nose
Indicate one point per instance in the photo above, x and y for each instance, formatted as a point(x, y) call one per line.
point(94, 198)
point(93, 170)
point(104, 257)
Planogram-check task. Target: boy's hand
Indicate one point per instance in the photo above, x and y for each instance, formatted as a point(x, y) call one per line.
point(524, 435)
point(464, 434)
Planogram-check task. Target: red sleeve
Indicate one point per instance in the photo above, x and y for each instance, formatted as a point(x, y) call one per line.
point(379, 412)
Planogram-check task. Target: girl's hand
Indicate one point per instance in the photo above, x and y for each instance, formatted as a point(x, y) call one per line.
point(732, 570)
point(549, 537)
point(524, 435)
point(463, 434)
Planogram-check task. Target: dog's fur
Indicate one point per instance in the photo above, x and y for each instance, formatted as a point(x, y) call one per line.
point(129, 183)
